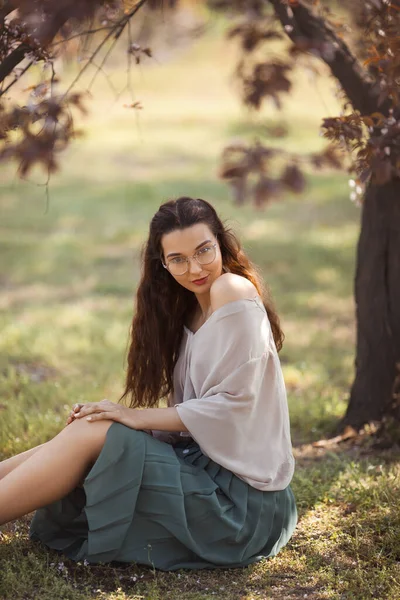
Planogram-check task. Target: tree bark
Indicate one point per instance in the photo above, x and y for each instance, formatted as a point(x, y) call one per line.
point(375, 390)
point(377, 296)
point(13, 59)
point(302, 23)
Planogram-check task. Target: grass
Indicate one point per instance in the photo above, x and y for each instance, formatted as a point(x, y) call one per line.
point(67, 280)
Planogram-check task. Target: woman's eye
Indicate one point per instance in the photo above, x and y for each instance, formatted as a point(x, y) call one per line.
point(178, 260)
point(204, 250)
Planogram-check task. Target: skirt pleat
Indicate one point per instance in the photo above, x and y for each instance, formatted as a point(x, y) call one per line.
point(147, 502)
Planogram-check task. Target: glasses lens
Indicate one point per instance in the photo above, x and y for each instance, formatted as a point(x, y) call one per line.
point(206, 255)
point(178, 268)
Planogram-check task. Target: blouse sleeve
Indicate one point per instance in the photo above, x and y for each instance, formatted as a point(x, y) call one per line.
point(238, 414)
point(222, 417)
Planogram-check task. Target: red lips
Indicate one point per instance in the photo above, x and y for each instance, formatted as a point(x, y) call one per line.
point(200, 281)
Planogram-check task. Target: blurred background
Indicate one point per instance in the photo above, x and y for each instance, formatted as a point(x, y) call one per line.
point(70, 253)
point(155, 126)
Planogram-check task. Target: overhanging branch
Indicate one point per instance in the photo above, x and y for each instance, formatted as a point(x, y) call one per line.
point(12, 60)
point(300, 22)
point(19, 53)
point(6, 6)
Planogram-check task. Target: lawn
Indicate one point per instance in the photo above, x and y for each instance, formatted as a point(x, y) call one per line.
point(68, 277)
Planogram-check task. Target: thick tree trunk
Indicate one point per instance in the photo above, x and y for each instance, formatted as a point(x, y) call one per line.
point(376, 388)
point(377, 295)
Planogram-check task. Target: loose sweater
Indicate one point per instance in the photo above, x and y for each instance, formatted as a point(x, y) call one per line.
point(230, 394)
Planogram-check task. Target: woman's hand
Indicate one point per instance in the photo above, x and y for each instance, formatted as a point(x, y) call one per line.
point(75, 409)
point(105, 409)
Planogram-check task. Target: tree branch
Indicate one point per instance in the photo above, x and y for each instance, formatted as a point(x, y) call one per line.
point(13, 59)
point(19, 53)
point(300, 22)
point(81, 35)
point(17, 78)
point(6, 6)
point(117, 30)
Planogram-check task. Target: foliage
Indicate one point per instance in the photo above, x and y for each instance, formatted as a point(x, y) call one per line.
point(240, 163)
point(33, 32)
point(37, 32)
point(369, 128)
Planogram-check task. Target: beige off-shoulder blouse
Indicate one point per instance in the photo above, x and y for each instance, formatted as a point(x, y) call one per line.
point(230, 394)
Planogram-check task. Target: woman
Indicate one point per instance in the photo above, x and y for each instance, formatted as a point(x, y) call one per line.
point(203, 482)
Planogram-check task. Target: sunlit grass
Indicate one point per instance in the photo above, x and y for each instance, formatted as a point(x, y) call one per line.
point(68, 276)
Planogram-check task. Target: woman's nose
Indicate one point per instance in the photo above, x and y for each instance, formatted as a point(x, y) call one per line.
point(194, 266)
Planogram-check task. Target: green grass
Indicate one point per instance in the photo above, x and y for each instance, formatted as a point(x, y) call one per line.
point(67, 281)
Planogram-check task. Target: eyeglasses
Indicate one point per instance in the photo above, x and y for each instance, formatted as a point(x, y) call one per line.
point(180, 264)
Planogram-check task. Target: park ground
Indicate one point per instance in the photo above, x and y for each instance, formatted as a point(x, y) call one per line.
point(70, 264)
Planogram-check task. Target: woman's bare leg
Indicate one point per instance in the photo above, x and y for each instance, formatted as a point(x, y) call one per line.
point(9, 464)
point(53, 471)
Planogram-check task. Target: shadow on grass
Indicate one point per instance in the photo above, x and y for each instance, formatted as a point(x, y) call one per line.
point(347, 543)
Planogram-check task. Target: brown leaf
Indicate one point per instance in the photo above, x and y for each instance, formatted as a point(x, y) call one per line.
point(239, 189)
point(348, 433)
point(265, 190)
point(294, 179)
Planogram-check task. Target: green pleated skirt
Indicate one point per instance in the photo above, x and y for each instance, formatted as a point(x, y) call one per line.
point(147, 502)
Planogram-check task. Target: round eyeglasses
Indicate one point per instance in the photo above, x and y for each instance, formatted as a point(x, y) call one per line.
point(180, 264)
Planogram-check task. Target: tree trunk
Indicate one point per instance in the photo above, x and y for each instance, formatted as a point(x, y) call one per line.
point(377, 295)
point(376, 389)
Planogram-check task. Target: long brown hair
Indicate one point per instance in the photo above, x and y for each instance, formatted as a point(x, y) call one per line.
point(163, 306)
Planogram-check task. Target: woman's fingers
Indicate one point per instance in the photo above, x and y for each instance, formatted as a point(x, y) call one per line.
point(87, 409)
point(95, 407)
point(74, 413)
point(94, 411)
point(100, 415)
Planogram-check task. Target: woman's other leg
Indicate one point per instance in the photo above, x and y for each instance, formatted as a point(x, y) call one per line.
point(54, 470)
point(9, 464)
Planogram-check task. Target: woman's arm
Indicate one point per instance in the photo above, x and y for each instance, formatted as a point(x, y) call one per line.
point(162, 419)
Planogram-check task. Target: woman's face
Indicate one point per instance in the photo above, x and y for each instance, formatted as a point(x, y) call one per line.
point(183, 243)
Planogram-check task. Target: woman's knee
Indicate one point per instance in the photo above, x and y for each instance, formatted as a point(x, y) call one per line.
point(91, 434)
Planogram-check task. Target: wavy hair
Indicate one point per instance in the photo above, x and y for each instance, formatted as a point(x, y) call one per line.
point(163, 306)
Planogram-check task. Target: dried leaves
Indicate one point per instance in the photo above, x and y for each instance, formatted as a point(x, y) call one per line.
point(35, 30)
point(35, 133)
point(251, 170)
point(252, 33)
point(265, 80)
point(371, 140)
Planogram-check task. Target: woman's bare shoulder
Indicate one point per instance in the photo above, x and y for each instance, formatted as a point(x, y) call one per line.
point(230, 287)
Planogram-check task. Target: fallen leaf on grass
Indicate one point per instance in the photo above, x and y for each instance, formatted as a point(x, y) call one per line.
point(348, 433)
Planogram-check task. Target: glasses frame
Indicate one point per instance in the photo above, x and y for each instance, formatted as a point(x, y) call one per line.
point(187, 258)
